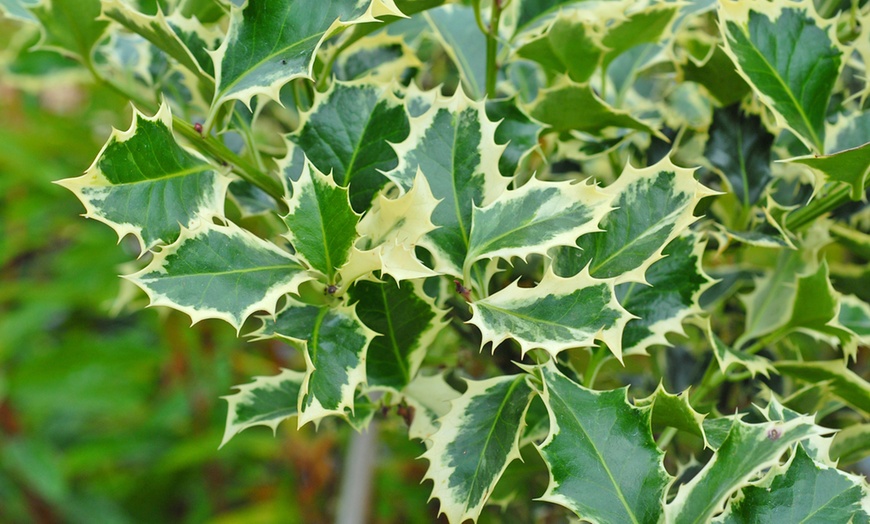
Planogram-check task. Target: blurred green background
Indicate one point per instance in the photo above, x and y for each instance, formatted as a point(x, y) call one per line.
point(115, 416)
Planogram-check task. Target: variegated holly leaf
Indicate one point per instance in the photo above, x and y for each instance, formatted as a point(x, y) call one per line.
point(675, 411)
point(571, 45)
point(775, 287)
point(19, 9)
point(850, 167)
point(534, 218)
point(166, 32)
point(569, 106)
point(639, 23)
point(334, 342)
point(727, 357)
point(380, 57)
point(855, 316)
point(557, 314)
point(267, 401)
point(790, 57)
point(739, 149)
point(390, 231)
point(70, 27)
point(805, 491)
point(348, 130)
point(604, 465)
point(531, 13)
point(406, 321)
point(453, 145)
point(455, 29)
point(223, 272)
point(270, 42)
point(475, 442)
point(654, 205)
point(321, 223)
point(843, 382)
point(145, 184)
point(430, 397)
point(676, 283)
point(515, 130)
point(747, 451)
point(850, 444)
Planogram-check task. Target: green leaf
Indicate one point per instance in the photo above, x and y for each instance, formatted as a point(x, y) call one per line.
point(145, 184)
point(334, 342)
point(747, 450)
point(850, 130)
point(739, 149)
point(407, 322)
point(162, 31)
point(476, 441)
point(70, 27)
point(850, 167)
point(271, 42)
point(19, 9)
point(456, 30)
point(321, 223)
point(806, 492)
point(768, 305)
point(855, 316)
point(430, 397)
point(515, 130)
point(675, 411)
point(267, 401)
point(532, 12)
point(453, 145)
point(348, 130)
point(567, 106)
point(726, 357)
point(534, 218)
point(643, 26)
point(572, 45)
point(382, 56)
point(676, 283)
point(844, 383)
point(850, 444)
point(604, 465)
point(716, 73)
point(790, 58)
point(653, 205)
point(223, 272)
point(557, 314)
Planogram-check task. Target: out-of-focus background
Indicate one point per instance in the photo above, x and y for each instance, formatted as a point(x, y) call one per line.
point(112, 415)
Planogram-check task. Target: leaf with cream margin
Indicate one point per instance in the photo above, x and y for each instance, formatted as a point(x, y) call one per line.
point(850, 167)
point(790, 57)
point(390, 231)
point(334, 342)
point(430, 396)
point(70, 27)
point(454, 27)
point(270, 42)
point(675, 411)
point(747, 451)
point(604, 465)
point(453, 145)
point(557, 314)
point(381, 57)
point(534, 218)
point(223, 272)
point(347, 132)
point(145, 184)
point(267, 401)
point(475, 442)
point(570, 45)
point(843, 382)
point(855, 316)
point(727, 357)
point(653, 206)
point(321, 223)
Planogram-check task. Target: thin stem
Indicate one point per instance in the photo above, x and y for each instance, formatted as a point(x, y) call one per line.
point(599, 356)
point(807, 214)
point(492, 48)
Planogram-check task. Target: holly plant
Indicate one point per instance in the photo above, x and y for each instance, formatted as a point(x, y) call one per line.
point(624, 241)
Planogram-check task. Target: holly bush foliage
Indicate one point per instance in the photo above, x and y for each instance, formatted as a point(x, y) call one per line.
point(585, 195)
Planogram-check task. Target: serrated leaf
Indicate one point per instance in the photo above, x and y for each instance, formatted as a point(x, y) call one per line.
point(516, 131)
point(160, 30)
point(271, 42)
point(321, 223)
point(532, 12)
point(455, 28)
point(334, 342)
point(144, 183)
point(673, 411)
point(641, 26)
point(557, 314)
point(476, 441)
point(453, 145)
point(775, 287)
point(534, 218)
point(430, 396)
point(567, 106)
point(407, 322)
point(727, 357)
point(223, 272)
point(603, 463)
point(267, 401)
point(747, 450)
point(717, 74)
point(571, 45)
point(347, 131)
point(676, 284)
point(790, 58)
point(850, 167)
point(844, 383)
point(850, 444)
point(653, 205)
point(805, 492)
point(739, 148)
point(855, 316)
point(70, 27)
